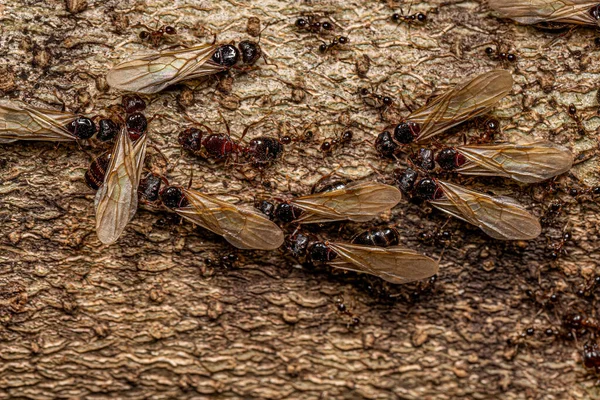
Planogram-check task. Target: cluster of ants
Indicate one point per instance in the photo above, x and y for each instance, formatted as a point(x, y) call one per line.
point(117, 174)
point(574, 326)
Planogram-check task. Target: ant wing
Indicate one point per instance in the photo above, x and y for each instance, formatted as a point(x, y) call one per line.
point(243, 227)
point(117, 199)
point(153, 73)
point(27, 123)
point(467, 100)
point(394, 264)
point(358, 201)
point(526, 162)
point(500, 217)
point(538, 11)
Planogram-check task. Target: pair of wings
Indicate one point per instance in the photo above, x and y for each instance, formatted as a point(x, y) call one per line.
point(530, 12)
point(357, 201)
point(523, 162)
point(21, 122)
point(117, 199)
point(153, 73)
point(394, 264)
point(465, 101)
point(243, 227)
point(499, 217)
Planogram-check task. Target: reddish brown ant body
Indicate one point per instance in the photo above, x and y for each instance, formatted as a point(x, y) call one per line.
point(155, 36)
point(260, 151)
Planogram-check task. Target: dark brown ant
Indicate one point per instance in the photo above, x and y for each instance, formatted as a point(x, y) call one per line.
point(557, 248)
point(546, 299)
point(438, 236)
point(588, 289)
point(375, 100)
point(312, 24)
point(497, 55)
point(424, 289)
point(343, 309)
point(207, 144)
point(584, 192)
point(224, 261)
point(552, 212)
point(155, 36)
point(411, 19)
point(572, 111)
point(330, 145)
point(340, 40)
point(261, 151)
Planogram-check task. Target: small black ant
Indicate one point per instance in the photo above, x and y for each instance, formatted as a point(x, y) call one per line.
point(417, 17)
point(329, 145)
point(324, 47)
point(500, 55)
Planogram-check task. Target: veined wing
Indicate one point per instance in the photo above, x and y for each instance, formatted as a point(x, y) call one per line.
point(499, 217)
point(153, 73)
point(20, 122)
point(537, 11)
point(358, 201)
point(467, 100)
point(526, 162)
point(394, 264)
point(117, 199)
point(243, 227)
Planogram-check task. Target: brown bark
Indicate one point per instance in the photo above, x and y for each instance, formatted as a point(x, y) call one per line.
point(150, 318)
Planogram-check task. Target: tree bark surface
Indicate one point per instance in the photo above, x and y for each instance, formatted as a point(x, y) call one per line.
point(162, 315)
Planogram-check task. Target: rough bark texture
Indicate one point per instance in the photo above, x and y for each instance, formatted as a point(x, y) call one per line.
point(151, 318)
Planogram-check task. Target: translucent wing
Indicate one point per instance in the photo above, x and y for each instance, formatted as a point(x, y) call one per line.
point(499, 217)
point(526, 162)
point(358, 201)
point(20, 122)
point(153, 73)
point(243, 227)
point(537, 11)
point(467, 100)
point(117, 199)
point(394, 264)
